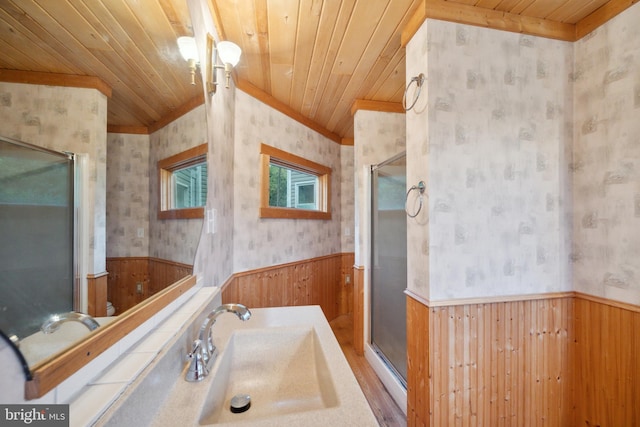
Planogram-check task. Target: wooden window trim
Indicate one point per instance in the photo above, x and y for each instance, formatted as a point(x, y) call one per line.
point(165, 169)
point(294, 162)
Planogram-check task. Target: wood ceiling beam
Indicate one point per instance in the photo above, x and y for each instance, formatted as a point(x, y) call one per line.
point(165, 120)
point(601, 15)
point(388, 107)
point(271, 101)
point(54, 79)
point(414, 24)
point(488, 18)
point(347, 141)
point(89, 82)
point(135, 130)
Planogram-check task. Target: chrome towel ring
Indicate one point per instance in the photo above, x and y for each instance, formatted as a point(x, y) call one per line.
point(419, 80)
point(420, 187)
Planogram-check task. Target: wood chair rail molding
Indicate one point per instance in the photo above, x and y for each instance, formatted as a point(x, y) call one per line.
point(523, 297)
point(487, 300)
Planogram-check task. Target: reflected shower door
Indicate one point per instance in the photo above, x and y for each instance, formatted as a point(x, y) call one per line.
point(389, 264)
point(36, 243)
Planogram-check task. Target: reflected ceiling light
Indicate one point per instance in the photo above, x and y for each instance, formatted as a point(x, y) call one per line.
point(229, 54)
point(189, 52)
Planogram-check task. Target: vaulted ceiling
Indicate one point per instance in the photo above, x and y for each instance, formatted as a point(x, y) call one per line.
point(311, 59)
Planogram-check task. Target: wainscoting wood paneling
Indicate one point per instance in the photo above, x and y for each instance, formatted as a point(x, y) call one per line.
point(607, 362)
point(358, 310)
point(124, 274)
point(345, 305)
point(152, 273)
point(317, 281)
point(97, 285)
point(417, 363)
point(163, 273)
point(503, 363)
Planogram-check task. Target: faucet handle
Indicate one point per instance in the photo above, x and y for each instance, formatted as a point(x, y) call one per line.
point(198, 368)
point(210, 352)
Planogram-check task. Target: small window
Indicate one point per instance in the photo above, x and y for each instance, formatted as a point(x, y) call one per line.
point(307, 195)
point(293, 187)
point(183, 184)
point(190, 186)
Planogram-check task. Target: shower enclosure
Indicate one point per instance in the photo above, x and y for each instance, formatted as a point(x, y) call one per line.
point(36, 236)
point(389, 264)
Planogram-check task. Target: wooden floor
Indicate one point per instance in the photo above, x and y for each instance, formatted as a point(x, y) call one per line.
point(381, 403)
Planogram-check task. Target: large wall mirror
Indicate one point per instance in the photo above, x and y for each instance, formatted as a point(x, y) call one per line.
point(149, 260)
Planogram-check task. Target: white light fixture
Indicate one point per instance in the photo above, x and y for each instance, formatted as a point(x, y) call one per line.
point(229, 54)
point(189, 52)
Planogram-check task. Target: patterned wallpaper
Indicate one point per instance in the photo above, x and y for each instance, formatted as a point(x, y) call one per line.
point(214, 257)
point(264, 242)
point(127, 195)
point(347, 199)
point(378, 136)
point(498, 125)
point(606, 162)
point(236, 125)
point(65, 119)
point(174, 239)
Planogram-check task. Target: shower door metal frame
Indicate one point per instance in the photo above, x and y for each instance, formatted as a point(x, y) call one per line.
point(75, 191)
point(372, 248)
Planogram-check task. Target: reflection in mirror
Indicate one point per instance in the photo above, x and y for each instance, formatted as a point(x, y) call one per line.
point(146, 252)
point(183, 184)
point(109, 232)
point(37, 220)
point(52, 371)
point(145, 255)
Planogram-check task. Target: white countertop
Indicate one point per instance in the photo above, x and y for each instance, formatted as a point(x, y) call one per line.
point(186, 402)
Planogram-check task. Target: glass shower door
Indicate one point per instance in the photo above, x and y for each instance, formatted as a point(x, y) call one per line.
point(36, 236)
point(389, 264)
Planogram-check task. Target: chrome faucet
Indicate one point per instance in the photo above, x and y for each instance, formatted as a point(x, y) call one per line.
point(53, 323)
point(204, 351)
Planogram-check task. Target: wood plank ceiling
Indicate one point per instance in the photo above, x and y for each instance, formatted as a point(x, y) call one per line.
point(309, 58)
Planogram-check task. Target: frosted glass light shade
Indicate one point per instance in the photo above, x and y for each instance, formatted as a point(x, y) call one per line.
point(188, 48)
point(229, 52)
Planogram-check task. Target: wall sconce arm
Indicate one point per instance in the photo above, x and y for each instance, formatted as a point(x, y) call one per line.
point(229, 54)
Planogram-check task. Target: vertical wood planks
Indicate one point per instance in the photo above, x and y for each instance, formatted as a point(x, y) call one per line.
point(318, 281)
point(154, 274)
point(97, 287)
point(607, 364)
point(418, 375)
point(358, 310)
point(491, 364)
point(345, 305)
point(124, 273)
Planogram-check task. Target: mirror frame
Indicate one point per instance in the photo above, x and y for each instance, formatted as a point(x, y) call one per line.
point(55, 369)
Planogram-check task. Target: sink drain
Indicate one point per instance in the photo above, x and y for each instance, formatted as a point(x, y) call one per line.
point(240, 403)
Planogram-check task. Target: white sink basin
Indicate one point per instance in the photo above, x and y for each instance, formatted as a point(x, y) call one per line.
point(283, 370)
point(286, 358)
